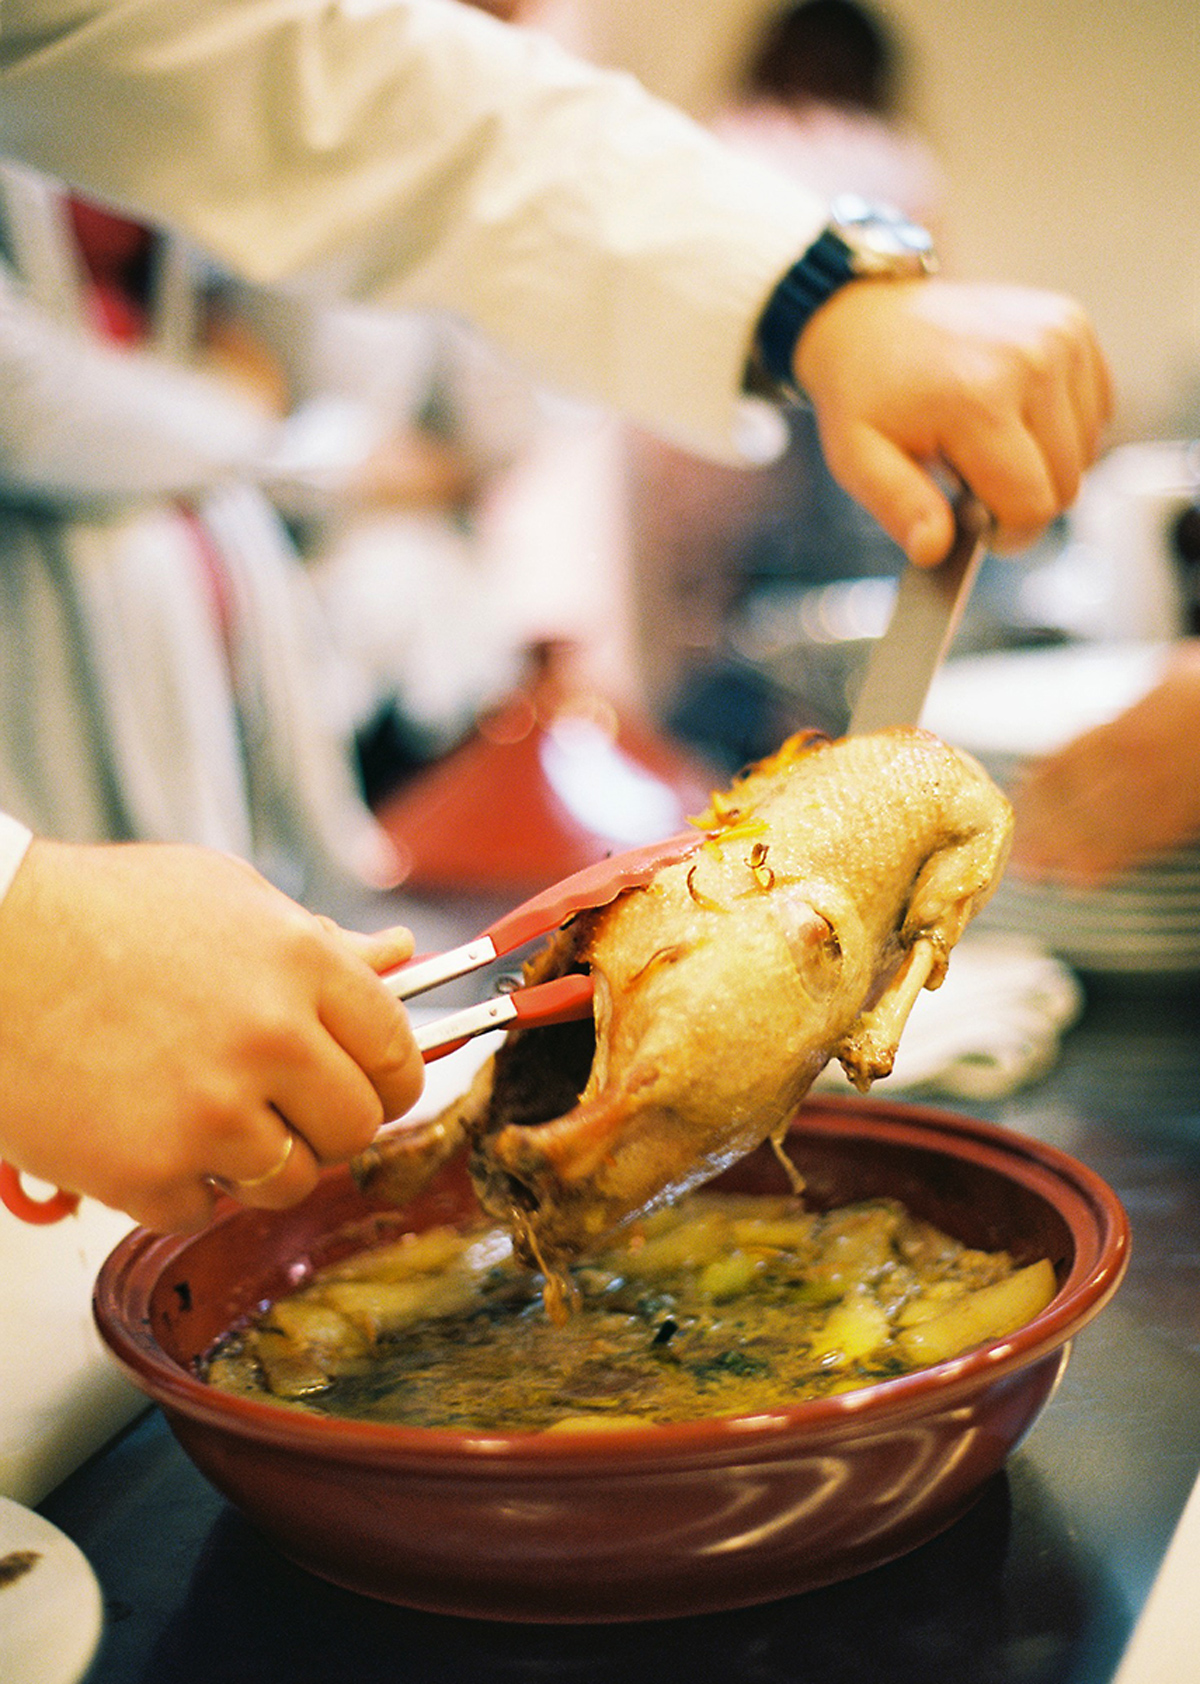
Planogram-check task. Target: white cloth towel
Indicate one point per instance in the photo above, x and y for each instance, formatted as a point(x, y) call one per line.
point(994, 1025)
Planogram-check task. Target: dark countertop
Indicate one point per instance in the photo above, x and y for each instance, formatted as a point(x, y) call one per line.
point(1039, 1584)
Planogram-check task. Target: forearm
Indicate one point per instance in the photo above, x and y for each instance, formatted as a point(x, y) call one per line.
point(1120, 793)
point(411, 156)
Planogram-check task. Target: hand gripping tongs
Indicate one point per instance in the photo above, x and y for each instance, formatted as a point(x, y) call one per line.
point(560, 1001)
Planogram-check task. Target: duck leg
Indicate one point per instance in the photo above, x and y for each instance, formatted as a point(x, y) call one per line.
point(869, 1050)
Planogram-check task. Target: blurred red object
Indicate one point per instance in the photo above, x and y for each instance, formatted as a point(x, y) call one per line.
point(116, 254)
point(555, 779)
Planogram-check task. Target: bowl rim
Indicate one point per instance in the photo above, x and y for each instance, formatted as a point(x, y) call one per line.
point(1094, 1214)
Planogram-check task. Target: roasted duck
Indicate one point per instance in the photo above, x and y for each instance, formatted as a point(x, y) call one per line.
point(837, 878)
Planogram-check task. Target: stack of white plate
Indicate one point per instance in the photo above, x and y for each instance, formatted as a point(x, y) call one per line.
point(1010, 707)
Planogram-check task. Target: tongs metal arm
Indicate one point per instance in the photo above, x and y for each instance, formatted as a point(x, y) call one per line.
point(420, 975)
point(562, 1000)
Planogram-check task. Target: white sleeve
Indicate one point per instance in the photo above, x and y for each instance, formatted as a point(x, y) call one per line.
point(418, 152)
point(14, 840)
point(81, 420)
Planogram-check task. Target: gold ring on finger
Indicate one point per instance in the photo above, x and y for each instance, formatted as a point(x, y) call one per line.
point(249, 1185)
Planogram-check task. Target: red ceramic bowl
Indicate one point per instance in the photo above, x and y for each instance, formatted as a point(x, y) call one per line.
point(648, 1522)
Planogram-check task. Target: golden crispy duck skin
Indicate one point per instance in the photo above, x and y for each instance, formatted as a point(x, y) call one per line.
point(839, 877)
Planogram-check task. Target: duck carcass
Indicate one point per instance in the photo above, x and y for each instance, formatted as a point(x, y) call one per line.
point(836, 880)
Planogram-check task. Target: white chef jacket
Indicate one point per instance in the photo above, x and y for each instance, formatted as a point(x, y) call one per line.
point(419, 153)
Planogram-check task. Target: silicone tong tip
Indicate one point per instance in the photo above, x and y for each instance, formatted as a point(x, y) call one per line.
point(594, 886)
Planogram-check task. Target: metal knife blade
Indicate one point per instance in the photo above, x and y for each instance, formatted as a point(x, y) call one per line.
point(929, 605)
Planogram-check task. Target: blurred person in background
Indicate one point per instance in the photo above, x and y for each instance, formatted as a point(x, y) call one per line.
point(166, 1017)
point(426, 620)
point(820, 97)
point(1120, 793)
point(163, 672)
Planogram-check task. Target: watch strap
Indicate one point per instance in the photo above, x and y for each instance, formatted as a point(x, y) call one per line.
point(827, 265)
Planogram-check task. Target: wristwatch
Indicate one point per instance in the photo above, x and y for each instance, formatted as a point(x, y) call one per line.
point(861, 240)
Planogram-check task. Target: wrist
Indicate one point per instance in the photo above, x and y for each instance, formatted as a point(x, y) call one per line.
point(861, 242)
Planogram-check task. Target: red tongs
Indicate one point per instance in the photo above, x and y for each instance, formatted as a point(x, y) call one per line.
point(561, 1000)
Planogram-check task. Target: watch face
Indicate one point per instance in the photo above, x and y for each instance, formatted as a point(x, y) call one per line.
point(881, 241)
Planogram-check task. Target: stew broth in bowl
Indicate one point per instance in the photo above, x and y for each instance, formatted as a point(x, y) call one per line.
point(724, 1304)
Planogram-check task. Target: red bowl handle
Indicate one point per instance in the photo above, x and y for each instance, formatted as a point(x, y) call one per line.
point(38, 1211)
